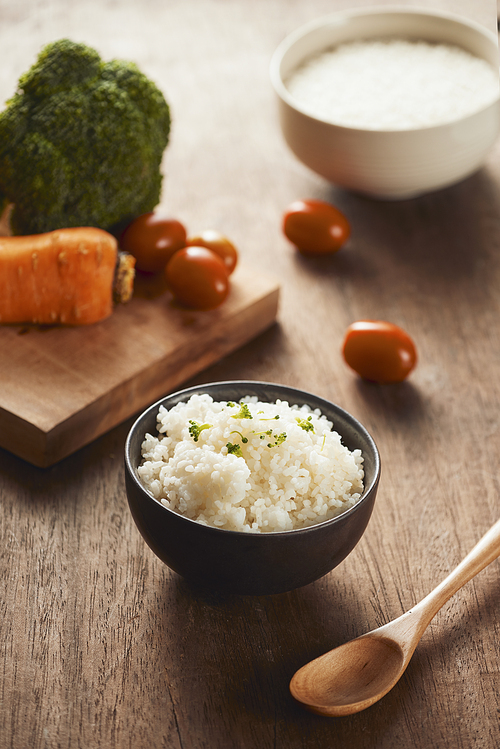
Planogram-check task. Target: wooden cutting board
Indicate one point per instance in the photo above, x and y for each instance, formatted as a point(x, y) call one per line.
point(61, 388)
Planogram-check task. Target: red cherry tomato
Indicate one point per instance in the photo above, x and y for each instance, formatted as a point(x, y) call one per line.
point(152, 240)
point(315, 227)
point(198, 278)
point(379, 351)
point(218, 243)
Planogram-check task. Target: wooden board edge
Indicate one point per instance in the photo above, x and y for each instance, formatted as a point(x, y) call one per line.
point(23, 439)
point(130, 397)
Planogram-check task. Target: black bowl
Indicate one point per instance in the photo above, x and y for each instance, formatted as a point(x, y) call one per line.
point(241, 562)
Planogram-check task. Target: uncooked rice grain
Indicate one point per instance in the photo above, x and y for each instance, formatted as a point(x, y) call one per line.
point(393, 84)
point(282, 469)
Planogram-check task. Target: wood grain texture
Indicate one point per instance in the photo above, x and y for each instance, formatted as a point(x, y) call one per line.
point(63, 387)
point(101, 645)
point(354, 676)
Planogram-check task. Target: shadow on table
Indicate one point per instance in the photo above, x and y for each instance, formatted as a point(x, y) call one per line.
point(239, 654)
point(444, 235)
point(403, 402)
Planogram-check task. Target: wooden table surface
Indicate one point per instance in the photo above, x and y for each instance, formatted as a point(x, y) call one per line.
point(103, 646)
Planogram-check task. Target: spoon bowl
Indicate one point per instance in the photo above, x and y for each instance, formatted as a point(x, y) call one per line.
point(350, 675)
point(358, 673)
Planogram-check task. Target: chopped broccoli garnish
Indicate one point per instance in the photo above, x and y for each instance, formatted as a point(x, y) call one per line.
point(243, 413)
point(262, 435)
point(81, 142)
point(234, 449)
point(195, 429)
point(305, 424)
point(243, 439)
point(280, 438)
point(273, 418)
point(231, 404)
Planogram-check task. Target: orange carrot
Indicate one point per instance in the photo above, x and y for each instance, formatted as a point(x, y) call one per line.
point(64, 276)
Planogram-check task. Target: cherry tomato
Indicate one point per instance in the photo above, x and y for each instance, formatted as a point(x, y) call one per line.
point(152, 240)
point(379, 351)
point(198, 278)
point(219, 244)
point(315, 227)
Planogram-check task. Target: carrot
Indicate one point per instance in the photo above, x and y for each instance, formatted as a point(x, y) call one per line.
point(64, 276)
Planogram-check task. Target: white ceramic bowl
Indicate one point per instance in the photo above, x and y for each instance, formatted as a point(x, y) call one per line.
point(387, 164)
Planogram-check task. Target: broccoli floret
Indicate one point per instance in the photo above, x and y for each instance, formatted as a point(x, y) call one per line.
point(234, 449)
point(305, 424)
point(81, 142)
point(195, 429)
point(280, 438)
point(243, 413)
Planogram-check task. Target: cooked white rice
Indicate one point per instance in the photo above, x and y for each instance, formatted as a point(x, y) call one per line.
point(281, 469)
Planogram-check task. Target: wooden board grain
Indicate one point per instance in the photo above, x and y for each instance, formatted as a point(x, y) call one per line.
point(61, 388)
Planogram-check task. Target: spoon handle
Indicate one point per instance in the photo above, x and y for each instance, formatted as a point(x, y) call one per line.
point(483, 553)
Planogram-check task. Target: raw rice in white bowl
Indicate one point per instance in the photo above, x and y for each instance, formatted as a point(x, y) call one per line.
point(250, 466)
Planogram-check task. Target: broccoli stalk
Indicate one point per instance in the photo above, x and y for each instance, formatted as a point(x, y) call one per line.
point(81, 142)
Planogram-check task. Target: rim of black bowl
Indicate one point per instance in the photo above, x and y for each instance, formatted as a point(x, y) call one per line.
point(302, 397)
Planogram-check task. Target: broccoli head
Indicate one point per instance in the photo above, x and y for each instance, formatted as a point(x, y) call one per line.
point(81, 142)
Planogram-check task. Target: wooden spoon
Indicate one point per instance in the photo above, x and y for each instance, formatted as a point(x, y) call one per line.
point(353, 676)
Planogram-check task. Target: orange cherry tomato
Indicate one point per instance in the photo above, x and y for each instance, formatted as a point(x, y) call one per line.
point(315, 227)
point(152, 240)
point(218, 243)
point(379, 351)
point(198, 278)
